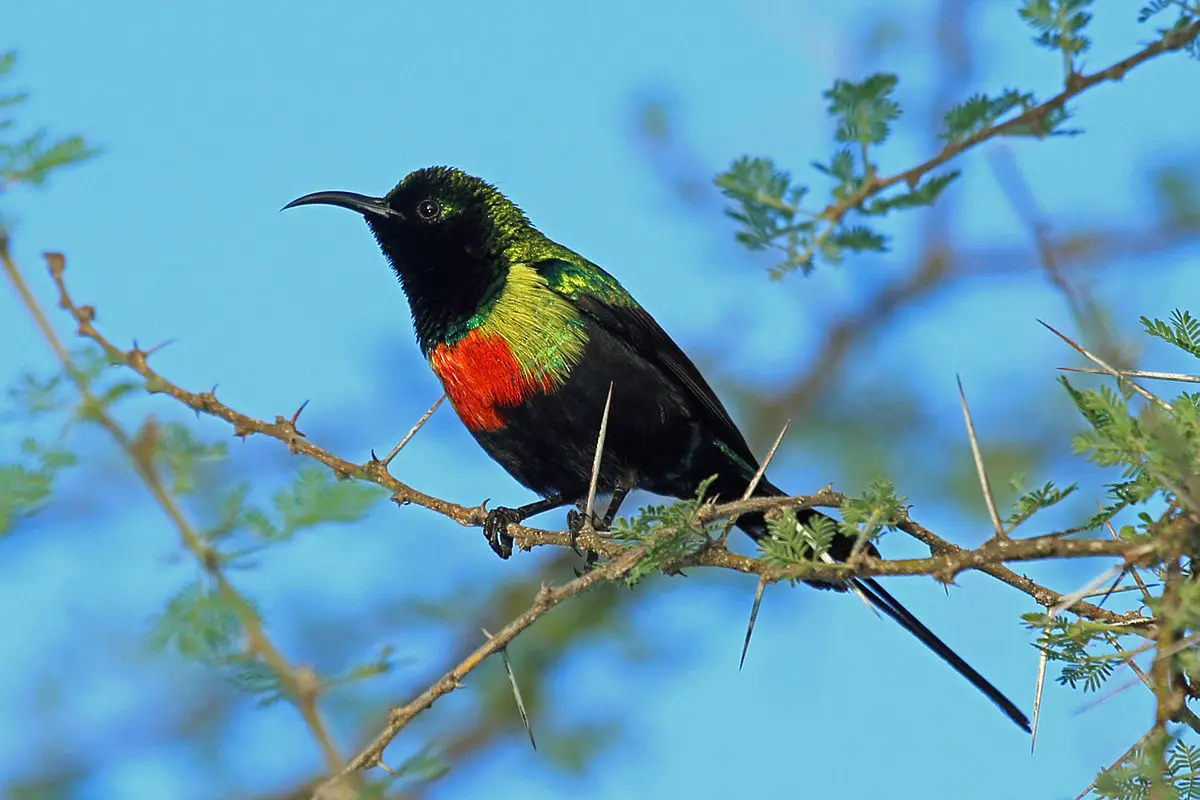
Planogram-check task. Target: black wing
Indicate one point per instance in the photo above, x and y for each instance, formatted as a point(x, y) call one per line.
point(632, 324)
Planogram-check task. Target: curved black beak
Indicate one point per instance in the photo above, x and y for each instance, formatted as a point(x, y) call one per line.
point(361, 203)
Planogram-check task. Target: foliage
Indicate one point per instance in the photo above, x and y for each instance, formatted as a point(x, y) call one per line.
point(31, 157)
point(768, 205)
point(1137, 777)
point(1047, 496)
point(680, 535)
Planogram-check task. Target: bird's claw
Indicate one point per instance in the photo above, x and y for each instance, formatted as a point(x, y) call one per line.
point(574, 526)
point(495, 529)
point(575, 522)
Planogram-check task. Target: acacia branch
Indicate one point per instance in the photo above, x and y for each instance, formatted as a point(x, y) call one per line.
point(547, 598)
point(1035, 119)
point(300, 684)
point(946, 561)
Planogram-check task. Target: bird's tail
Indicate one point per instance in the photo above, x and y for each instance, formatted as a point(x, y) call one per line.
point(755, 526)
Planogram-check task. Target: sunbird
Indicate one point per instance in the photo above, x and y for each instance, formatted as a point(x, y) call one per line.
point(528, 338)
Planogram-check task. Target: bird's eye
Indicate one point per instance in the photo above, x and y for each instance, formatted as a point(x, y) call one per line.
point(429, 209)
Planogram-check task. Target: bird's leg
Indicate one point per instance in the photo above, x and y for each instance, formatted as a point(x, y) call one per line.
point(614, 505)
point(495, 525)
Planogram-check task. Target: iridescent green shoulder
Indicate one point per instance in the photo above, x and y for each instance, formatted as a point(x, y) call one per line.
point(570, 274)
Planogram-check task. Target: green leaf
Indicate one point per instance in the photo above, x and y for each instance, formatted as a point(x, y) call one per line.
point(1068, 641)
point(26, 485)
point(181, 454)
point(980, 112)
point(23, 492)
point(685, 535)
point(379, 664)
point(1183, 331)
point(1059, 24)
point(1183, 765)
point(1037, 500)
point(118, 390)
point(788, 542)
point(200, 623)
point(1153, 8)
point(878, 506)
point(33, 396)
point(32, 157)
point(765, 202)
point(427, 765)
point(256, 678)
point(925, 194)
point(856, 238)
point(90, 362)
point(840, 168)
point(315, 497)
point(863, 110)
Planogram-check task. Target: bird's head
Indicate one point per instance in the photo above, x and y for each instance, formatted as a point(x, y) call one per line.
point(449, 237)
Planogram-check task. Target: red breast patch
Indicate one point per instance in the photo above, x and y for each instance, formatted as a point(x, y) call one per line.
point(481, 377)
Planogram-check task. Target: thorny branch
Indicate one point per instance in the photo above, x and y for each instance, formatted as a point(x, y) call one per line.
point(944, 563)
point(936, 271)
point(1036, 119)
point(300, 683)
point(546, 599)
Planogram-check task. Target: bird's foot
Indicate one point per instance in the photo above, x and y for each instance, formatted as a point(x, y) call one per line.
point(495, 529)
point(575, 521)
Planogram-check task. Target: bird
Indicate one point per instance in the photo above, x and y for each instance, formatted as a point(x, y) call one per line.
point(528, 338)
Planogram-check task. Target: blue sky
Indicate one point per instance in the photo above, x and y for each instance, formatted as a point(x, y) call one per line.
point(213, 116)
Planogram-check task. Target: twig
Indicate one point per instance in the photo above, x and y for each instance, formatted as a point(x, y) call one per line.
point(1044, 596)
point(1020, 196)
point(1120, 760)
point(516, 690)
point(301, 684)
point(1063, 604)
point(977, 454)
point(1133, 570)
point(1043, 658)
point(1116, 373)
point(546, 599)
point(1104, 698)
point(1138, 373)
point(750, 487)
point(1034, 118)
point(1091, 249)
point(591, 495)
point(1167, 695)
point(758, 596)
point(411, 432)
point(1072, 598)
